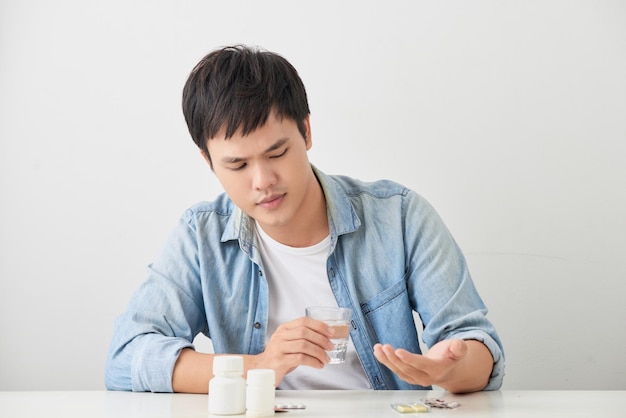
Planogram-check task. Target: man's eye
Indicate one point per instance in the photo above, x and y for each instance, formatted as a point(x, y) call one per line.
point(281, 154)
point(238, 168)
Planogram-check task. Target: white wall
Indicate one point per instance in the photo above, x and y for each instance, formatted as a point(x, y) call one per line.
point(510, 117)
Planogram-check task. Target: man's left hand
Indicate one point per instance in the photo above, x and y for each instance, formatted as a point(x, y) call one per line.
point(455, 365)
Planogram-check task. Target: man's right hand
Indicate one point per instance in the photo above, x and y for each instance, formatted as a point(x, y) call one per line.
point(301, 342)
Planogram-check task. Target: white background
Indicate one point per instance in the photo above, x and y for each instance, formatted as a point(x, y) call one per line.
point(509, 117)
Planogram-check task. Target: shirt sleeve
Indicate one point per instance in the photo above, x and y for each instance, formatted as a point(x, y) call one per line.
point(442, 289)
point(497, 373)
point(162, 318)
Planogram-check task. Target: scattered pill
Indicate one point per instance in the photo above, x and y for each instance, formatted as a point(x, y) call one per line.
point(410, 408)
point(289, 406)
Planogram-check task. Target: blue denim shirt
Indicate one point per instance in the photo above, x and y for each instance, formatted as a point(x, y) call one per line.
point(390, 255)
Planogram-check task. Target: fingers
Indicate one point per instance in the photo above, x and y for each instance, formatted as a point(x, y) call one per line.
point(318, 327)
point(431, 368)
point(302, 342)
point(306, 330)
point(409, 367)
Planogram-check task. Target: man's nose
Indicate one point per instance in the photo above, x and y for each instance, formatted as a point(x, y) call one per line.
point(263, 177)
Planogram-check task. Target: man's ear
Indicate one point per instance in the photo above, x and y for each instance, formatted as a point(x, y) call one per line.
point(307, 128)
point(207, 158)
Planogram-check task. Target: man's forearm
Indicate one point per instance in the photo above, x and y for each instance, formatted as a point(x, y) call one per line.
point(193, 371)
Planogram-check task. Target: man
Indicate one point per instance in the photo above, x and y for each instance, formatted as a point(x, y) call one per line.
point(242, 269)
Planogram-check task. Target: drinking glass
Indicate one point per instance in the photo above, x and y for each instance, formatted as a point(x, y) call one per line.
point(339, 319)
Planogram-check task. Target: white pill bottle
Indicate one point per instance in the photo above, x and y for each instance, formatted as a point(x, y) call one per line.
point(260, 393)
point(227, 389)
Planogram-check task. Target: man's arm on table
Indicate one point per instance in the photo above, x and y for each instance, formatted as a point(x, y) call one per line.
point(455, 365)
point(301, 342)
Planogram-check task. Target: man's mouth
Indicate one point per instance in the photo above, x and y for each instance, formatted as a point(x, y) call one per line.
point(272, 201)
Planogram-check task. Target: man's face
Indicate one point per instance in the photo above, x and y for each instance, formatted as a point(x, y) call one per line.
point(266, 173)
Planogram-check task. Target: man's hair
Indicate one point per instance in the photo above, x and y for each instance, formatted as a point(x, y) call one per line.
point(237, 87)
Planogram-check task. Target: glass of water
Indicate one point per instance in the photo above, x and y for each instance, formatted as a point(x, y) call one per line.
point(339, 319)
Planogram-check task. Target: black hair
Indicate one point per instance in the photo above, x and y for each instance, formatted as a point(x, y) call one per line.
point(237, 87)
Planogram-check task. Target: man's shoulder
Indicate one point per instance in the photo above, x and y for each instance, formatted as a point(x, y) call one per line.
point(382, 188)
point(220, 207)
point(373, 194)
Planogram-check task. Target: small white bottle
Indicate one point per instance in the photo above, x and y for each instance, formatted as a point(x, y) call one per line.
point(227, 389)
point(260, 393)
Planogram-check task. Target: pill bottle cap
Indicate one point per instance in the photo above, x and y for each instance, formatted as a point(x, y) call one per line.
point(261, 377)
point(227, 364)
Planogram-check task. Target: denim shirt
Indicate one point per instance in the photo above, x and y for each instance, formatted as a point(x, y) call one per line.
point(390, 255)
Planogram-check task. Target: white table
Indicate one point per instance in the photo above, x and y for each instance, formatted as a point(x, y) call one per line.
point(327, 404)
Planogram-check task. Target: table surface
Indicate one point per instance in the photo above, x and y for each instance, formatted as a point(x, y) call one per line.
point(318, 403)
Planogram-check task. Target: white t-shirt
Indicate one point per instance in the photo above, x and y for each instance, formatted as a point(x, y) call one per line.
point(296, 279)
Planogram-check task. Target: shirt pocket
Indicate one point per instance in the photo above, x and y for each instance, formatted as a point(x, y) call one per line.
point(385, 298)
point(390, 317)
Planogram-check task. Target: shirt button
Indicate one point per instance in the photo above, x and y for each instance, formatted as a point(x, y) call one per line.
point(260, 273)
point(257, 325)
point(331, 272)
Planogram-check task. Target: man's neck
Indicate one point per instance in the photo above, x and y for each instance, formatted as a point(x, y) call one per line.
point(310, 226)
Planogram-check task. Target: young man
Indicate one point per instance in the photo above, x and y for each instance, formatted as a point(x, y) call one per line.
point(242, 269)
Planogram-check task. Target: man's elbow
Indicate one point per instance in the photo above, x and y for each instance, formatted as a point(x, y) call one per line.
point(116, 378)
